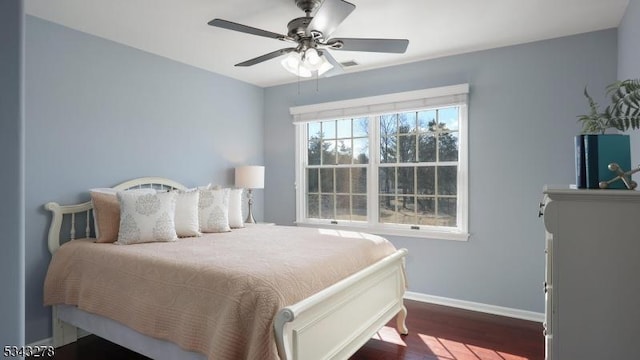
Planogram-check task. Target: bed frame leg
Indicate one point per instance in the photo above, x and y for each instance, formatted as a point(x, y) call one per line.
point(63, 333)
point(400, 321)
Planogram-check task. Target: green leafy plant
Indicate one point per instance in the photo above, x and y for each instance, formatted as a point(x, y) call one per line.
point(623, 113)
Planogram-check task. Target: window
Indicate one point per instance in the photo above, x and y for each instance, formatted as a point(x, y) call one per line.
point(392, 164)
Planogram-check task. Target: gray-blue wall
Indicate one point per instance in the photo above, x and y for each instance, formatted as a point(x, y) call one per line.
point(99, 113)
point(629, 61)
point(522, 119)
point(12, 173)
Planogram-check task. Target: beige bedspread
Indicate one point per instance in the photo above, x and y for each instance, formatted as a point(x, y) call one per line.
point(217, 294)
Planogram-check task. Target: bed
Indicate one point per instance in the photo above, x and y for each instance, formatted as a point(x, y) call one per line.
point(332, 312)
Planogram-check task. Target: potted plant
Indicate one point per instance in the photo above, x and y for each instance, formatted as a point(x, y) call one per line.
point(623, 112)
point(596, 150)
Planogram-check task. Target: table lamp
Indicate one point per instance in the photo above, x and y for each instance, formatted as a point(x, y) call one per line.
point(250, 177)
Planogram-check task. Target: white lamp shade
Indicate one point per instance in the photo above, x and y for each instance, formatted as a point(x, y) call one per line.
point(250, 177)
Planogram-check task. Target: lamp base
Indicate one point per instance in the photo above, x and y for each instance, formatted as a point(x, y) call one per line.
point(250, 219)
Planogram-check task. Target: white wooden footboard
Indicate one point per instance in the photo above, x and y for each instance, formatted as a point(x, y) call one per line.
point(337, 321)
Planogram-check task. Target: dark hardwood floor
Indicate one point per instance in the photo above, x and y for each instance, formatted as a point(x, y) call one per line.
point(435, 332)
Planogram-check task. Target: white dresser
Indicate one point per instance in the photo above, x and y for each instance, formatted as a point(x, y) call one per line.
point(592, 276)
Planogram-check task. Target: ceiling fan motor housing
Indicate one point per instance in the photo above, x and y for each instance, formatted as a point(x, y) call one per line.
point(298, 27)
point(308, 5)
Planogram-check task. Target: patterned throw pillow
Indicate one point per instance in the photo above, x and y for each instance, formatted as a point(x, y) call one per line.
point(213, 210)
point(106, 212)
point(146, 217)
point(187, 222)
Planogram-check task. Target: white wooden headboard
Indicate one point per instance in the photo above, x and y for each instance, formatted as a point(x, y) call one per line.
point(85, 209)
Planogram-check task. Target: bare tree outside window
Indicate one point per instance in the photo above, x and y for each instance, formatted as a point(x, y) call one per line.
point(416, 166)
point(337, 158)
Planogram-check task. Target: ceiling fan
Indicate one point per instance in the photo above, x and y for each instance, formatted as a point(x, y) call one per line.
point(311, 38)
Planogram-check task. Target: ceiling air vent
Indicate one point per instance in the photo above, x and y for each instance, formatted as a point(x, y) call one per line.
point(349, 63)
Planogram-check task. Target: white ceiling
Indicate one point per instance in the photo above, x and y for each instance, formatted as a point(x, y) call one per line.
point(178, 30)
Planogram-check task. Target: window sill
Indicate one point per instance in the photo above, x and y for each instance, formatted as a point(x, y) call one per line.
point(426, 234)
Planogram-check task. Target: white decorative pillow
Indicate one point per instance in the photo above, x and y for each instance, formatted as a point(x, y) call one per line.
point(146, 217)
point(186, 219)
point(235, 208)
point(213, 210)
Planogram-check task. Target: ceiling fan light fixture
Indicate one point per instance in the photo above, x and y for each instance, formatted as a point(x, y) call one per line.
point(315, 60)
point(325, 66)
point(293, 63)
point(312, 59)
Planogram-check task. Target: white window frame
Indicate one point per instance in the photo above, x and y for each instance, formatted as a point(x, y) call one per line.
point(455, 95)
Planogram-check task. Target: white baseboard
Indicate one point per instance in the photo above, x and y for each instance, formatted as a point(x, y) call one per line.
point(474, 306)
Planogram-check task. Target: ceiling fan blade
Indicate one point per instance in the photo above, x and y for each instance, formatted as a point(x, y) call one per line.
point(329, 15)
point(337, 67)
point(266, 57)
point(245, 29)
point(397, 46)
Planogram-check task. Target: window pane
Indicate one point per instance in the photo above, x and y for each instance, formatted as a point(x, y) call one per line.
point(329, 129)
point(344, 128)
point(387, 180)
point(388, 125)
point(387, 209)
point(407, 148)
point(388, 149)
point(406, 182)
point(326, 206)
point(313, 206)
point(447, 180)
point(449, 117)
point(406, 210)
point(407, 122)
point(360, 127)
point(447, 211)
point(342, 180)
point(343, 207)
point(314, 151)
point(359, 180)
point(329, 152)
point(427, 148)
point(345, 152)
point(312, 180)
point(426, 180)
point(426, 119)
point(361, 151)
point(426, 208)
point(314, 130)
point(398, 210)
point(326, 180)
point(448, 147)
point(359, 207)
